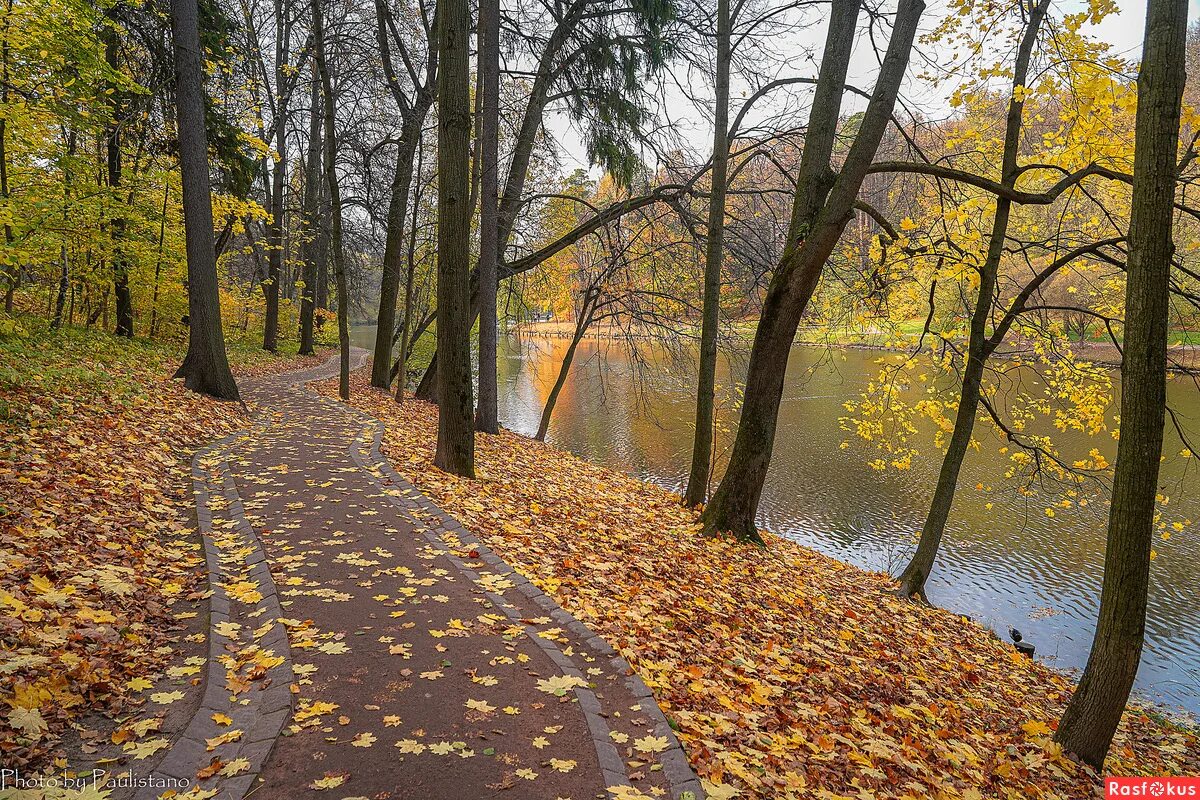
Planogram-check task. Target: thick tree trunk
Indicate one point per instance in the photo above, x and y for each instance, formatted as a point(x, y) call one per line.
point(487, 414)
point(714, 252)
point(335, 204)
point(912, 579)
point(205, 368)
point(413, 112)
point(456, 430)
point(309, 221)
point(735, 502)
point(1095, 710)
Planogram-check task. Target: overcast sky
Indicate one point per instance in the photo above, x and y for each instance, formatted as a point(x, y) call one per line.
point(1122, 30)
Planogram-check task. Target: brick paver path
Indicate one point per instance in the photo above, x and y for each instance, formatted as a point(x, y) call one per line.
point(365, 645)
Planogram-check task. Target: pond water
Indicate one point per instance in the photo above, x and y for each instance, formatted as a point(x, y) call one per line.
point(1010, 565)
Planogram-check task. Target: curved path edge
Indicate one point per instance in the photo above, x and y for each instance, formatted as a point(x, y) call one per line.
point(267, 704)
point(234, 554)
point(235, 557)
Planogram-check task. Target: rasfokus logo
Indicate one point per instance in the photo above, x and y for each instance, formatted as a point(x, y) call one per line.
point(1152, 787)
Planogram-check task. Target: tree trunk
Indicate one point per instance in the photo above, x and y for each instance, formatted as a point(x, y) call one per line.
point(427, 387)
point(409, 281)
point(309, 221)
point(64, 278)
point(120, 264)
point(581, 326)
point(278, 181)
point(394, 251)
point(487, 415)
point(413, 113)
point(162, 236)
point(335, 204)
point(518, 172)
point(912, 579)
point(1095, 710)
point(714, 250)
point(456, 432)
point(100, 308)
point(321, 297)
point(12, 271)
point(205, 368)
point(735, 502)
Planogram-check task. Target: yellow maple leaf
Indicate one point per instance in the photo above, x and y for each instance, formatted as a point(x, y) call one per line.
point(331, 780)
point(559, 685)
point(28, 720)
point(166, 698)
point(147, 748)
point(651, 744)
point(1036, 728)
point(224, 738)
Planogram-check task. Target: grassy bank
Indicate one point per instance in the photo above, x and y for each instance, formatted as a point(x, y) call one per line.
point(787, 674)
point(98, 549)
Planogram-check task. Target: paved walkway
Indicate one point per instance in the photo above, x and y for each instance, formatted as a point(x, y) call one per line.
point(365, 645)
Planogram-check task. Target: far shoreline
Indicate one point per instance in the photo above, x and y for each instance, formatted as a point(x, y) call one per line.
point(1183, 356)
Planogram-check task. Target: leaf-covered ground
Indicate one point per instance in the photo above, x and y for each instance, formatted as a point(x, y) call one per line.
point(97, 539)
point(788, 674)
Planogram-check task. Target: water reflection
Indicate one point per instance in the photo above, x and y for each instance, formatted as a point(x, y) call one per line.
point(1008, 565)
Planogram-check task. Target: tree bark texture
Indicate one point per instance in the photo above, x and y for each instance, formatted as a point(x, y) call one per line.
point(1095, 710)
point(456, 428)
point(205, 368)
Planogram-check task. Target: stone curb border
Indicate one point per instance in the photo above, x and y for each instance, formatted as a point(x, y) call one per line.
point(367, 453)
point(267, 709)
